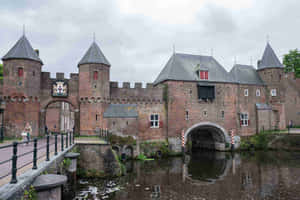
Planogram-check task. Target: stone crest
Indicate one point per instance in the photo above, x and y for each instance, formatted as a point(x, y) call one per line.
point(59, 89)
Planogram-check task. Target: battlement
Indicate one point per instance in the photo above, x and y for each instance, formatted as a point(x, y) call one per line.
point(60, 76)
point(137, 85)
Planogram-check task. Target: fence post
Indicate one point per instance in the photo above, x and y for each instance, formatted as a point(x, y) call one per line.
point(62, 141)
point(34, 153)
point(47, 149)
point(55, 144)
point(14, 164)
point(1, 133)
point(73, 137)
point(67, 140)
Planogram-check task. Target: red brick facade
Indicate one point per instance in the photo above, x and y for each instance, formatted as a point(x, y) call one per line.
point(27, 98)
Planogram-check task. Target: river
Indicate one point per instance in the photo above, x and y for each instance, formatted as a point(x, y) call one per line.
point(204, 175)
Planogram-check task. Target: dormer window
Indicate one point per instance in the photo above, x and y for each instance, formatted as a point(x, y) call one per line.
point(95, 75)
point(20, 72)
point(202, 74)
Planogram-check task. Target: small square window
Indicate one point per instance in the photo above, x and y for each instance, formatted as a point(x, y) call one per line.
point(154, 121)
point(246, 92)
point(202, 74)
point(258, 92)
point(273, 93)
point(205, 113)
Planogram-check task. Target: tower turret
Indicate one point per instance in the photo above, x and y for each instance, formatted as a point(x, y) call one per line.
point(94, 71)
point(22, 70)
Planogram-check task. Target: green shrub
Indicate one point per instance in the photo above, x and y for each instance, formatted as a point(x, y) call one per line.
point(30, 194)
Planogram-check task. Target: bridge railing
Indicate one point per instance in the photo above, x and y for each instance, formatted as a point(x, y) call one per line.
point(39, 148)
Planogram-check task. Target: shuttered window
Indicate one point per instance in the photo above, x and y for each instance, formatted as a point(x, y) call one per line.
point(203, 75)
point(95, 75)
point(20, 72)
point(206, 92)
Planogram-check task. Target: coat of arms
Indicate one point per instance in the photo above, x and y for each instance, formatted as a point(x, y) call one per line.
point(60, 89)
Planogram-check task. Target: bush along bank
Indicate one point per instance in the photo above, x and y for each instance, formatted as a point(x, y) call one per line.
point(157, 149)
point(271, 141)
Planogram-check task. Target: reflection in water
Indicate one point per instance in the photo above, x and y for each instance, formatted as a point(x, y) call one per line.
point(208, 175)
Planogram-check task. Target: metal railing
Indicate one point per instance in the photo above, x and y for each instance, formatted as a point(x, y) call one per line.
point(38, 150)
point(104, 135)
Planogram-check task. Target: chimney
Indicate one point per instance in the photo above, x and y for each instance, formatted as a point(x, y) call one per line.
point(37, 52)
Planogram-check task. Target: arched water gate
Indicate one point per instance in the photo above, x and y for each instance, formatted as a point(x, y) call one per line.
point(207, 135)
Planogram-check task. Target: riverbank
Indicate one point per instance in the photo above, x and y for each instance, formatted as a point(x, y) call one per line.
point(271, 140)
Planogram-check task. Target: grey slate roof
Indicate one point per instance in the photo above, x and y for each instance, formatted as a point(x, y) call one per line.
point(22, 50)
point(263, 106)
point(183, 67)
point(245, 74)
point(121, 111)
point(94, 56)
point(269, 59)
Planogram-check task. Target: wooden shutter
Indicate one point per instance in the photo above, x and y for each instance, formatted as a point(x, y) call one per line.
point(20, 72)
point(160, 124)
point(95, 75)
point(206, 75)
point(201, 74)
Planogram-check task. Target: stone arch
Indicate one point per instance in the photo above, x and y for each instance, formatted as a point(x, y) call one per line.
point(45, 104)
point(218, 134)
point(117, 149)
point(128, 150)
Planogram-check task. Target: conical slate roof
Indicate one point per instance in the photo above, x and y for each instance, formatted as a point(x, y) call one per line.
point(245, 74)
point(94, 56)
point(183, 67)
point(22, 50)
point(269, 59)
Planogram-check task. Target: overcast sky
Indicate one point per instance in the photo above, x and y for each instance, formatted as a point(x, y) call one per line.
point(137, 36)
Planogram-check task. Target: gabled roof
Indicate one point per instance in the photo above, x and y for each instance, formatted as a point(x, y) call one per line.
point(22, 50)
point(121, 111)
point(245, 74)
point(94, 56)
point(269, 59)
point(183, 67)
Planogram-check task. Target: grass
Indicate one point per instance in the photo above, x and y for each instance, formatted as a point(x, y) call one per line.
point(10, 140)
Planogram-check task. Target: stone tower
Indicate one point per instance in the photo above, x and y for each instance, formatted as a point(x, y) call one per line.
point(271, 72)
point(94, 89)
point(21, 87)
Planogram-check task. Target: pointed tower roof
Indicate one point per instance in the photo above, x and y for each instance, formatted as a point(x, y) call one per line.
point(94, 56)
point(22, 50)
point(269, 59)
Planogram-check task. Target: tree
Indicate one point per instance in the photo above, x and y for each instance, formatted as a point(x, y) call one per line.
point(291, 62)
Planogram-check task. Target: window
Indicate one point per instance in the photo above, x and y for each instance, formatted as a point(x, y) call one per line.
point(202, 74)
point(273, 93)
point(114, 123)
point(154, 121)
point(97, 117)
point(33, 73)
point(244, 119)
point(206, 92)
point(20, 72)
point(222, 114)
point(95, 76)
point(186, 115)
point(246, 92)
point(205, 113)
point(258, 92)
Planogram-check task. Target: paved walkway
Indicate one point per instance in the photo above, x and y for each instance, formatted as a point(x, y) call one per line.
point(24, 162)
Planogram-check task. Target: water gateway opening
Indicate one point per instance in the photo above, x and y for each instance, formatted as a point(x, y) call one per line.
point(206, 137)
point(60, 117)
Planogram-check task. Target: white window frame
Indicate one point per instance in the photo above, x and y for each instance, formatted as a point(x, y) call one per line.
point(244, 117)
point(154, 122)
point(205, 113)
point(246, 92)
point(273, 92)
point(257, 93)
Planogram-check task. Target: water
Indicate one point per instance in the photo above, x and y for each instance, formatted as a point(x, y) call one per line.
point(205, 175)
